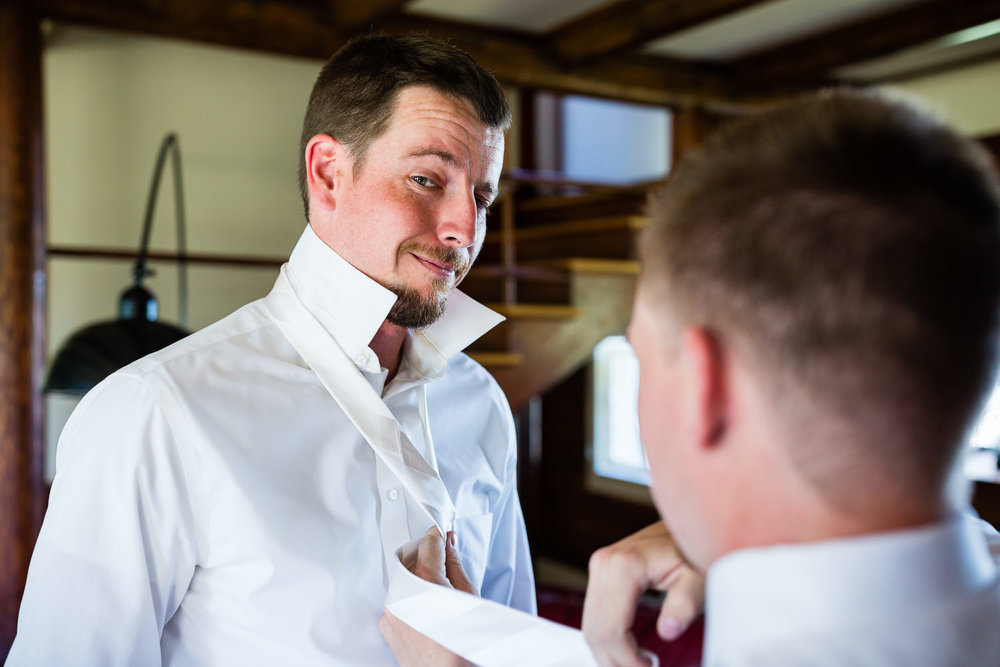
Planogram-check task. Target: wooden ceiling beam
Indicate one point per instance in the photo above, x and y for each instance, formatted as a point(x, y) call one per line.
point(629, 24)
point(263, 25)
point(355, 14)
point(808, 61)
point(308, 30)
point(526, 60)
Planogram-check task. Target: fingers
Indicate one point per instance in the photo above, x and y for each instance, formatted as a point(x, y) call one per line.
point(619, 574)
point(430, 563)
point(438, 562)
point(684, 602)
point(453, 567)
point(613, 588)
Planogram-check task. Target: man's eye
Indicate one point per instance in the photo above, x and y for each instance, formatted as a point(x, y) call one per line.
point(423, 181)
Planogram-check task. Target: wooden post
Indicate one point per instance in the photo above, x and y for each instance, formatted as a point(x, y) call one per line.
point(22, 300)
point(691, 126)
point(508, 247)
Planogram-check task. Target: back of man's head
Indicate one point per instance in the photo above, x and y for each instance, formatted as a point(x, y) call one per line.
point(355, 93)
point(850, 246)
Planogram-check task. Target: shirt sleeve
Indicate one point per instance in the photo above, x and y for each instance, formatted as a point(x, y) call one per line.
point(509, 578)
point(117, 548)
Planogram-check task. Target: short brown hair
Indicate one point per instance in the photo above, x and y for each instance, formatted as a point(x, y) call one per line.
point(851, 245)
point(355, 94)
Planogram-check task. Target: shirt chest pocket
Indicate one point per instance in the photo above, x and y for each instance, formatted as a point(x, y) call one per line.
point(474, 534)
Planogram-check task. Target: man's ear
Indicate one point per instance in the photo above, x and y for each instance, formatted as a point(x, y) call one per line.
point(326, 161)
point(706, 366)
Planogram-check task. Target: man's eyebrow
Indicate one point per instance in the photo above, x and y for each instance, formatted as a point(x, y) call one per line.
point(437, 152)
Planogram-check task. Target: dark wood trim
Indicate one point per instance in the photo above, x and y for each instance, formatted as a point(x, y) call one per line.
point(528, 421)
point(629, 24)
point(355, 14)
point(986, 501)
point(529, 128)
point(263, 25)
point(586, 56)
point(552, 178)
point(992, 145)
point(690, 127)
point(22, 304)
point(516, 58)
point(808, 61)
point(91, 252)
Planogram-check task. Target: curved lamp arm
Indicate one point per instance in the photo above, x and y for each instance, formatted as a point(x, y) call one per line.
point(170, 144)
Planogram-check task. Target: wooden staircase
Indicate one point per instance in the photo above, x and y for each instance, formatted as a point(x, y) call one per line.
point(562, 270)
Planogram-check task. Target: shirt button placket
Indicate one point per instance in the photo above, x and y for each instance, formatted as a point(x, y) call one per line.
point(392, 520)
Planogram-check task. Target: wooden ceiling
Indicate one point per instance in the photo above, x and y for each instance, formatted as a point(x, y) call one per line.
point(602, 52)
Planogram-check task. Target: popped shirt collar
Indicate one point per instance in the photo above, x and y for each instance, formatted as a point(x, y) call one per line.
point(759, 596)
point(351, 307)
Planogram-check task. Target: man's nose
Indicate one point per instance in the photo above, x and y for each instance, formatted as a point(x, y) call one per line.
point(457, 222)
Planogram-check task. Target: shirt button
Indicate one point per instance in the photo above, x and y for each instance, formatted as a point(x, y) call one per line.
point(392, 494)
point(360, 359)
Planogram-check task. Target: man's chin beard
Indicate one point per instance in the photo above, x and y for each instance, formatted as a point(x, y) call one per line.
point(414, 311)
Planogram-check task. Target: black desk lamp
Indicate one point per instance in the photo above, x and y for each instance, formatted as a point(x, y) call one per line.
point(96, 351)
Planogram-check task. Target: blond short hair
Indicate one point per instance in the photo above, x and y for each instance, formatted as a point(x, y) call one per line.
point(852, 244)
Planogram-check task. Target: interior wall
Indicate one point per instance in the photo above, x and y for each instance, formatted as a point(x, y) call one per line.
point(110, 98)
point(968, 97)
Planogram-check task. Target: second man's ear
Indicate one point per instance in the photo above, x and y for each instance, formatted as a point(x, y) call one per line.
point(707, 371)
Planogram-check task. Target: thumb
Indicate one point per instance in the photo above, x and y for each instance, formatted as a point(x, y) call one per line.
point(453, 566)
point(684, 603)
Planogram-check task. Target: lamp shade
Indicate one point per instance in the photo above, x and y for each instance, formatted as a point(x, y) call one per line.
point(95, 352)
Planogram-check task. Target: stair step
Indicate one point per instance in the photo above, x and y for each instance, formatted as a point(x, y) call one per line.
point(610, 238)
point(497, 339)
point(497, 359)
point(590, 265)
point(545, 210)
point(577, 227)
point(533, 272)
point(574, 228)
point(535, 284)
point(535, 311)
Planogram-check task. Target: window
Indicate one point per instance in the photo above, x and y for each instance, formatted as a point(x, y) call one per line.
point(616, 451)
point(614, 142)
point(985, 433)
point(982, 460)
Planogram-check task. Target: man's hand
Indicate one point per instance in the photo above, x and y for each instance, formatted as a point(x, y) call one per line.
point(437, 562)
point(619, 574)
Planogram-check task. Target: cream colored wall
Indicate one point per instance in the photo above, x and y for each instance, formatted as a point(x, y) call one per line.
point(969, 97)
point(109, 100)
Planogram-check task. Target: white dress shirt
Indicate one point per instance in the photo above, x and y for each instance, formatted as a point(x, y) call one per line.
point(914, 598)
point(235, 498)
